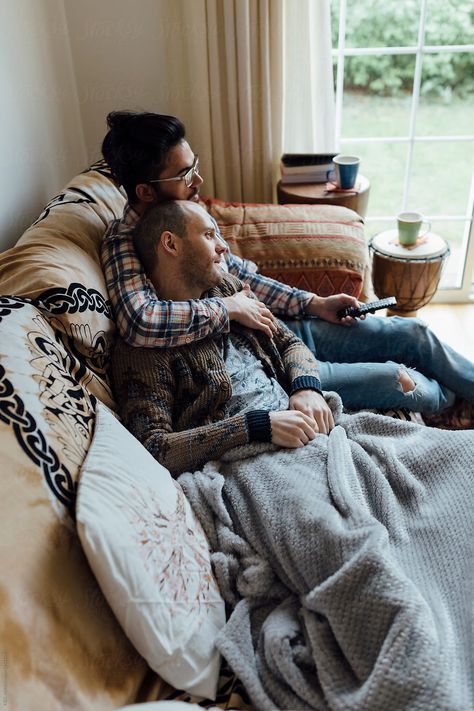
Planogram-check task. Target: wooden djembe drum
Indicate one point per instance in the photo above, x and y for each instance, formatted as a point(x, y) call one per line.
point(411, 274)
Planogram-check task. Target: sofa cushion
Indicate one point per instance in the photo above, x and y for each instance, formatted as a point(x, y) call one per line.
point(151, 558)
point(62, 246)
point(319, 248)
point(56, 263)
point(64, 648)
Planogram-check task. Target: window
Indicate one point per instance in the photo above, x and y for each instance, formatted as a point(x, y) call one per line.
point(404, 76)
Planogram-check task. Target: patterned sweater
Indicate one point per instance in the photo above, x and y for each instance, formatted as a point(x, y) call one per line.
point(173, 399)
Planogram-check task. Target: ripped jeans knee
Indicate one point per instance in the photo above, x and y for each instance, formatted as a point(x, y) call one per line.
point(405, 383)
point(384, 385)
point(423, 394)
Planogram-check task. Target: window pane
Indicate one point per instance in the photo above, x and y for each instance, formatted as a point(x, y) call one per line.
point(447, 94)
point(335, 6)
point(441, 177)
point(455, 234)
point(384, 165)
point(371, 23)
point(364, 115)
point(437, 118)
point(449, 22)
point(334, 74)
point(385, 76)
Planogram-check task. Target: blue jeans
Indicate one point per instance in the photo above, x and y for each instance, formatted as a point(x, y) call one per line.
point(363, 363)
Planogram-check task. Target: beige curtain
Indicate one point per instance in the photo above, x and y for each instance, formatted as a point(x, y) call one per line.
point(309, 106)
point(245, 73)
point(245, 93)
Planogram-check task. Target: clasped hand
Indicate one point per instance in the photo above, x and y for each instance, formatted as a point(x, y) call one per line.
point(307, 416)
point(250, 312)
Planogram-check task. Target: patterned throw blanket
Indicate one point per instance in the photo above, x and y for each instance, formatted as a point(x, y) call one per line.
point(349, 566)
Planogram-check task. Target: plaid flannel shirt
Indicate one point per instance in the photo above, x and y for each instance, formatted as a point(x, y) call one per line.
point(145, 320)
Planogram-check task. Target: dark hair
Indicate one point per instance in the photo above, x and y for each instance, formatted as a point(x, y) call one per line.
point(169, 215)
point(137, 144)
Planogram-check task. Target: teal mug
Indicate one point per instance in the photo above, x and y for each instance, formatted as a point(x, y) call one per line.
point(410, 226)
point(345, 171)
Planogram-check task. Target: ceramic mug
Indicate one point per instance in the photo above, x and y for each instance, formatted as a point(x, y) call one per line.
point(345, 171)
point(410, 225)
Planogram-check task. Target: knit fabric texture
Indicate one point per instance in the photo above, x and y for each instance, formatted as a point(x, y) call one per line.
point(349, 566)
point(172, 399)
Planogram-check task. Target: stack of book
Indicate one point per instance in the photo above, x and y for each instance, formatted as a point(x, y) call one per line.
point(305, 167)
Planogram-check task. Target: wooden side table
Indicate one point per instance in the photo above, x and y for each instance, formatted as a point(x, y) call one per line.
point(411, 274)
point(316, 193)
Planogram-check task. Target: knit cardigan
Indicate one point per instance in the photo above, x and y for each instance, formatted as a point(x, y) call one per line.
point(172, 399)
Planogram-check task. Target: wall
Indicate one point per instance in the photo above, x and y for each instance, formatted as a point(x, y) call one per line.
point(65, 64)
point(42, 143)
point(140, 56)
point(154, 55)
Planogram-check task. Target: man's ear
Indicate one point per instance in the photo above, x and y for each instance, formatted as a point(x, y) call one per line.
point(170, 243)
point(145, 192)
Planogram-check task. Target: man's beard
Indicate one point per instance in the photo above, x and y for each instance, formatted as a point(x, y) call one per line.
point(161, 196)
point(199, 279)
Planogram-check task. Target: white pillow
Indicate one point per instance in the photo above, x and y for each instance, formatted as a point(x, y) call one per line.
point(151, 558)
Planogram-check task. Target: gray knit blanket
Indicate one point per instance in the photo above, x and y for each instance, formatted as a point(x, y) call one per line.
point(348, 566)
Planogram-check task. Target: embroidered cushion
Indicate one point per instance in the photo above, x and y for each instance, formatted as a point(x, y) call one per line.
point(319, 248)
point(151, 558)
point(62, 645)
point(56, 263)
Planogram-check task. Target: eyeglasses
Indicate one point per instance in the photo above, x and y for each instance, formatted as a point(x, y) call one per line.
point(188, 177)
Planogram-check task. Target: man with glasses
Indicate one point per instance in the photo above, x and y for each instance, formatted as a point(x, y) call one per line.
point(151, 159)
point(188, 177)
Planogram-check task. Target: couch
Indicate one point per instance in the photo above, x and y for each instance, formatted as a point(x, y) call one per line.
point(63, 647)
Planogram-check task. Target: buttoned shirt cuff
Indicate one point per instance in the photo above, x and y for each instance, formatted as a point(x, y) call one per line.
point(298, 304)
point(305, 298)
point(306, 382)
point(225, 324)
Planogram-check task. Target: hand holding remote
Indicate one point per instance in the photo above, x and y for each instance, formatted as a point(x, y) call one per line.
point(370, 308)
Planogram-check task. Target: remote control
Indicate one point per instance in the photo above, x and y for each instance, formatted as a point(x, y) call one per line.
point(369, 308)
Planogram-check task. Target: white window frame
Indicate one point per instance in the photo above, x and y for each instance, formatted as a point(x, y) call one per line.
point(464, 293)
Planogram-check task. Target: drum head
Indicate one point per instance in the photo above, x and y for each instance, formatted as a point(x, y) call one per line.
point(429, 246)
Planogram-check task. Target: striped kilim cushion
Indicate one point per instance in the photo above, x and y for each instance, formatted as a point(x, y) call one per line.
point(319, 248)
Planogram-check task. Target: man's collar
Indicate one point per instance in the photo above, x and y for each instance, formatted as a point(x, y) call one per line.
point(228, 286)
point(130, 215)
